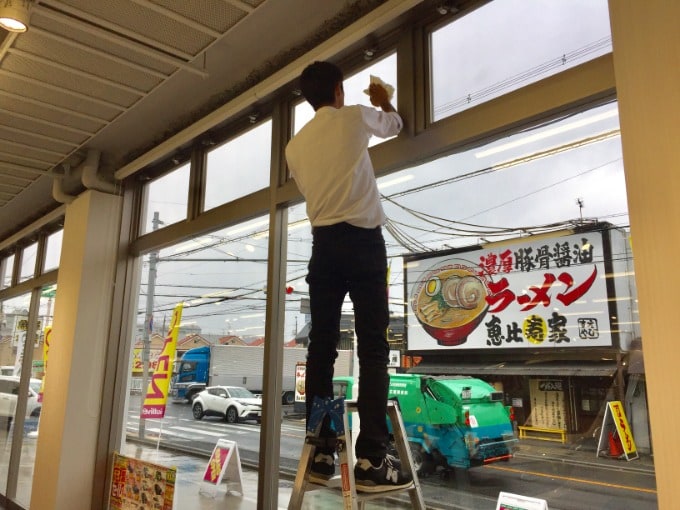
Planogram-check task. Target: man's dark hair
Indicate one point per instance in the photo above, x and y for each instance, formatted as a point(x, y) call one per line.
point(318, 82)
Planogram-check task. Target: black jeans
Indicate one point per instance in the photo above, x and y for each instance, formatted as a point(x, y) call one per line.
point(350, 259)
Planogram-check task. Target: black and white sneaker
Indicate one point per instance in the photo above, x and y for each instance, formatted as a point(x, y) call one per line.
point(387, 476)
point(322, 468)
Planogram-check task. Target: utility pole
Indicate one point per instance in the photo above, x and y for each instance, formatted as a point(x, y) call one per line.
point(150, 292)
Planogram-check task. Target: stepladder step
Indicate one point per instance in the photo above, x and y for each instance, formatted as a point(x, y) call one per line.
point(353, 497)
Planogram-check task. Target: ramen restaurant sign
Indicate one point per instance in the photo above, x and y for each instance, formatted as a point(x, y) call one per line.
point(530, 294)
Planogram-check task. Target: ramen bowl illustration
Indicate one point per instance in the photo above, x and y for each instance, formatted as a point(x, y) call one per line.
point(449, 301)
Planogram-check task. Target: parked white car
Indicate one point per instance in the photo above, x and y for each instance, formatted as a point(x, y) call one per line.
point(9, 389)
point(233, 403)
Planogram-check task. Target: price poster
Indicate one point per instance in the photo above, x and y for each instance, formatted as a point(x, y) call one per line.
point(140, 485)
point(509, 501)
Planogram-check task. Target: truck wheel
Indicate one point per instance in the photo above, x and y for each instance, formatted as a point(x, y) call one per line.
point(288, 398)
point(422, 461)
point(231, 415)
point(197, 410)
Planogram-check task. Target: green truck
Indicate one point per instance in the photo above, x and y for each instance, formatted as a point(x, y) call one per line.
point(451, 422)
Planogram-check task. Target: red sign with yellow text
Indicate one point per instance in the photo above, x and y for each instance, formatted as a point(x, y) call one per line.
point(157, 393)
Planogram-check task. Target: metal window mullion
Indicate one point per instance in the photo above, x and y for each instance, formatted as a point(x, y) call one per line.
point(41, 254)
point(197, 182)
point(270, 438)
point(20, 411)
point(49, 278)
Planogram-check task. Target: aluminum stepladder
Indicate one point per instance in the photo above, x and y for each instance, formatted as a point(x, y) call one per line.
point(338, 411)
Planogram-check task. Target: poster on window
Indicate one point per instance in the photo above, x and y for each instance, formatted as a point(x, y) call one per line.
point(137, 484)
point(537, 294)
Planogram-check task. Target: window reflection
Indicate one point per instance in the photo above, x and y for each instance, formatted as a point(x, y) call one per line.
point(239, 167)
point(53, 250)
point(6, 271)
point(167, 199)
point(28, 260)
point(16, 343)
point(220, 279)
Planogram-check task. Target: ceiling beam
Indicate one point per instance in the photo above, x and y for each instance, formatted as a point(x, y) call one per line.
point(118, 35)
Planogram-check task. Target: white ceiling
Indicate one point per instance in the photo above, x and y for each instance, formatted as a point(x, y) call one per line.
point(120, 76)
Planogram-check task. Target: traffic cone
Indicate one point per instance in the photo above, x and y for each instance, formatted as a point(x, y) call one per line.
point(615, 447)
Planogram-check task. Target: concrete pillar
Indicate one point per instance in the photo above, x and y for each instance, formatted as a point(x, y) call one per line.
point(65, 457)
point(647, 68)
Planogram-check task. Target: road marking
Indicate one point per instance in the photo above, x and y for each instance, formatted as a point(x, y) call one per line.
point(200, 431)
point(568, 478)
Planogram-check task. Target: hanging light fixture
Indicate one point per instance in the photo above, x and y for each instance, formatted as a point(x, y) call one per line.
point(14, 15)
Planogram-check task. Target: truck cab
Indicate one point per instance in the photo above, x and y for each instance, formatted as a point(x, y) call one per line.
point(191, 374)
point(451, 422)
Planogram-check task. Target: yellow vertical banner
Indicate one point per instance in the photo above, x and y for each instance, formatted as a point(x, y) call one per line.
point(46, 346)
point(157, 393)
point(623, 429)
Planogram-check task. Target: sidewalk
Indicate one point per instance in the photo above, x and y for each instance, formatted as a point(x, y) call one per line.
point(582, 453)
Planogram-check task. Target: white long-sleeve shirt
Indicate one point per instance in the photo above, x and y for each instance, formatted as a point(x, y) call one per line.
point(329, 161)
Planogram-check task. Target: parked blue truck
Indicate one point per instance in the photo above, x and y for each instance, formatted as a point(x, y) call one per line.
point(238, 365)
point(230, 365)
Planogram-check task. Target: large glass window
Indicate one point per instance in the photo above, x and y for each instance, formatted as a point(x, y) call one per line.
point(53, 250)
point(527, 185)
point(14, 335)
point(6, 269)
point(167, 199)
point(506, 45)
point(28, 259)
point(220, 280)
point(239, 167)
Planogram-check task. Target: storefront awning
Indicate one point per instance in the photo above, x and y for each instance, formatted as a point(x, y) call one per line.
point(564, 368)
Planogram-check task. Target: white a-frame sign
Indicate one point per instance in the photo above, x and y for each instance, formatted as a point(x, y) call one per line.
point(225, 464)
point(509, 501)
point(615, 422)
